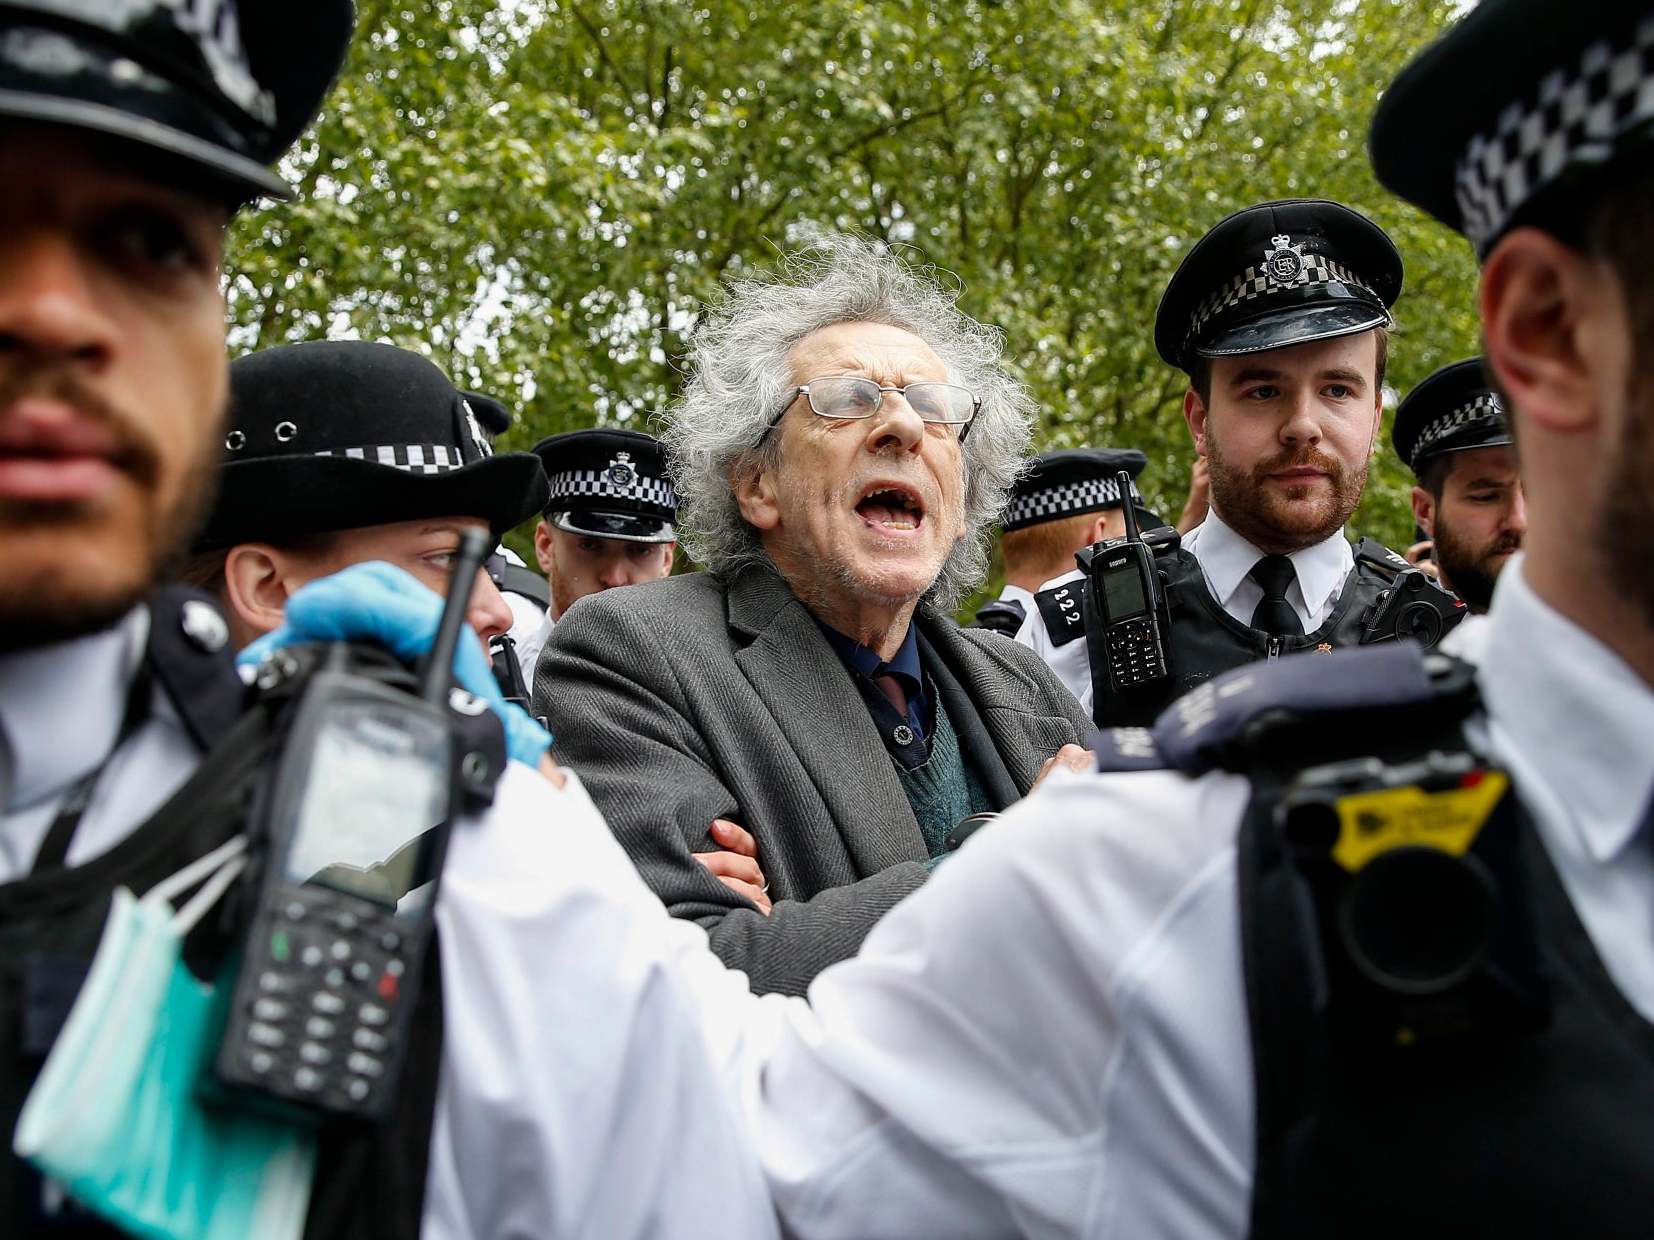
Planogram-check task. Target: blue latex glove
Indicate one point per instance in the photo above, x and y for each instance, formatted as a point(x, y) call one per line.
point(379, 603)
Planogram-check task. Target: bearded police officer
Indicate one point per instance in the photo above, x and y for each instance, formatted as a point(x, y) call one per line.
point(607, 523)
point(1418, 999)
point(1451, 432)
point(128, 135)
point(1069, 500)
point(1280, 317)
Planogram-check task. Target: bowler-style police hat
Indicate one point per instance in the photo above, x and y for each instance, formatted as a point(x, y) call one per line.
point(224, 86)
point(336, 435)
point(1278, 274)
point(1072, 481)
point(1453, 410)
point(1511, 116)
point(609, 484)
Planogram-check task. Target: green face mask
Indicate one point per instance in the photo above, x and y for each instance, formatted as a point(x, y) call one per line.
point(114, 1117)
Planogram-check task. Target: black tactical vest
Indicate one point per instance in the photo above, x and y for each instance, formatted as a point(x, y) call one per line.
point(1438, 1051)
point(1205, 641)
point(370, 1182)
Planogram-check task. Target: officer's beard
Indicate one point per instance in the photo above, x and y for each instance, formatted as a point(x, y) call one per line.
point(1253, 507)
point(1471, 571)
point(43, 603)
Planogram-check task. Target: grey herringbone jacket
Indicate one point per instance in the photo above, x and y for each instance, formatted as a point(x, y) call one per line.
point(683, 700)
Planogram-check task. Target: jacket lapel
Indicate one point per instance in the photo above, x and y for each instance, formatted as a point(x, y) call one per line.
point(975, 741)
point(815, 704)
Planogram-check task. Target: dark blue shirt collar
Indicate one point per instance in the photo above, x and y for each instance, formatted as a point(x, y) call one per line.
point(866, 665)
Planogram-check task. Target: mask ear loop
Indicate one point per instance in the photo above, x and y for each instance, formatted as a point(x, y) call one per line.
point(221, 867)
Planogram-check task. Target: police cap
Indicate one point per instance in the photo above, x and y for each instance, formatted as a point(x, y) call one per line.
point(1453, 410)
point(225, 86)
point(1278, 274)
point(1510, 117)
point(609, 484)
point(1072, 481)
point(492, 414)
point(336, 435)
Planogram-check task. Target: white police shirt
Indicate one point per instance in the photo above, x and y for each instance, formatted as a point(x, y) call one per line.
point(1079, 1064)
point(1225, 559)
point(585, 1031)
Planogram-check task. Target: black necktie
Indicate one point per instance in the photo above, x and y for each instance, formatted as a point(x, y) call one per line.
point(1274, 615)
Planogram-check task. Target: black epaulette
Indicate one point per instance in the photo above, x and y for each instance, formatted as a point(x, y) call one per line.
point(1062, 610)
point(1376, 555)
point(1000, 615)
point(190, 654)
point(1294, 713)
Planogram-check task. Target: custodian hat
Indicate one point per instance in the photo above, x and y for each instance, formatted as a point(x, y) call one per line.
point(1278, 274)
point(1453, 410)
point(609, 484)
point(335, 435)
point(224, 86)
point(1072, 481)
point(1505, 119)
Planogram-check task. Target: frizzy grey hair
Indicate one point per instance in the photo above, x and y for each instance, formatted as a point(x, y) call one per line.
point(739, 375)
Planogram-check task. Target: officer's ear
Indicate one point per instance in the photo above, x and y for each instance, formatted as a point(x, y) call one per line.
point(543, 550)
point(256, 587)
point(1194, 413)
point(1548, 311)
point(1424, 511)
point(671, 555)
point(756, 494)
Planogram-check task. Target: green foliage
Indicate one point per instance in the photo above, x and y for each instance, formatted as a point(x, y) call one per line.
point(542, 195)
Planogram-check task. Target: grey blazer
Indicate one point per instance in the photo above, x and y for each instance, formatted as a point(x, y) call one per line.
point(681, 701)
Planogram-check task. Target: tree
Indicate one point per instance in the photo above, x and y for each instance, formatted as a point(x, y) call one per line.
point(542, 196)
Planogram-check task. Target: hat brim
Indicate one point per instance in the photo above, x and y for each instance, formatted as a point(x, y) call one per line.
point(270, 499)
point(1295, 325)
point(625, 526)
point(130, 108)
point(1467, 442)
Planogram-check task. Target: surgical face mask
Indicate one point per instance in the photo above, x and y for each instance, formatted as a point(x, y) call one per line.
point(114, 1117)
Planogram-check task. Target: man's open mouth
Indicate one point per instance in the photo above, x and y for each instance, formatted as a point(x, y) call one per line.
point(891, 507)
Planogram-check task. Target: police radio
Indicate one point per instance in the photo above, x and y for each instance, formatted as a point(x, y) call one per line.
point(355, 829)
point(1125, 589)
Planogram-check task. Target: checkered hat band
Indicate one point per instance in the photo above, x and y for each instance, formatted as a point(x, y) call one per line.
point(1485, 408)
point(642, 489)
point(1576, 117)
point(1049, 505)
point(1254, 283)
point(413, 458)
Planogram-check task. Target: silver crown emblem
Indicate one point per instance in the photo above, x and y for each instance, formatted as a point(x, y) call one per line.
point(1284, 262)
point(621, 472)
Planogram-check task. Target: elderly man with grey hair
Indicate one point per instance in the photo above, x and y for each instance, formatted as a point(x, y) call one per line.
point(845, 442)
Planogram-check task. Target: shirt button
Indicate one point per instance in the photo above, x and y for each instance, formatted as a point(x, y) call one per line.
point(903, 735)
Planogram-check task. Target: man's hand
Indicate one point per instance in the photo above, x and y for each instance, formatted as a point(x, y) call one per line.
point(1421, 555)
point(737, 868)
point(1200, 496)
point(1072, 757)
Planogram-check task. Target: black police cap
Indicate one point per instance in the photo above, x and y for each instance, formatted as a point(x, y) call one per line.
point(609, 484)
point(1453, 410)
point(1072, 481)
point(222, 85)
point(1511, 116)
point(336, 435)
point(1278, 274)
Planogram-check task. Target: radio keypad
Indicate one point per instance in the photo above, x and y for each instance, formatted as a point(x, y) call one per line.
point(1133, 653)
point(336, 1046)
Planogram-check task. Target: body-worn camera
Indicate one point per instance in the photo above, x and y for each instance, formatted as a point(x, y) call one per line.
point(1413, 606)
point(354, 830)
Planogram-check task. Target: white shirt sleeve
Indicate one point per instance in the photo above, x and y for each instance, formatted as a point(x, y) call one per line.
point(580, 1092)
point(1048, 1039)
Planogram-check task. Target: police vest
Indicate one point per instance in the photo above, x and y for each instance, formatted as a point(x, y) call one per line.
point(370, 1182)
point(1437, 1048)
point(1205, 641)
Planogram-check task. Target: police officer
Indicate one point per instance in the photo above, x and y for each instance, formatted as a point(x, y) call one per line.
point(128, 135)
point(608, 521)
point(1069, 500)
point(1280, 317)
point(1451, 432)
point(1187, 1015)
point(1043, 529)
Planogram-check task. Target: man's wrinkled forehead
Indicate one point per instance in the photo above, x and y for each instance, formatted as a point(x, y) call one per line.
point(877, 350)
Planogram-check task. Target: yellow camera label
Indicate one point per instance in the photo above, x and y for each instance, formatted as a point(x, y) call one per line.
point(1370, 823)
